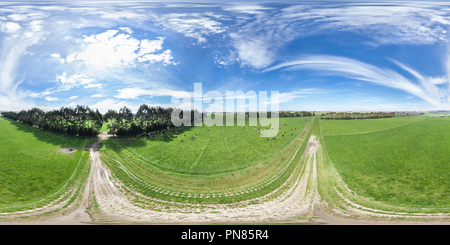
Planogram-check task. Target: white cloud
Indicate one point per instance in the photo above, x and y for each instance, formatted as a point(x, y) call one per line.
point(17, 17)
point(353, 69)
point(151, 46)
point(73, 97)
point(257, 38)
point(48, 98)
point(301, 93)
point(126, 29)
point(116, 15)
point(97, 85)
point(105, 105)
point(98, 95)
point(390, 24)
point(255, 52)
point(65, 82)
point(193, 25)
point(165, 58)
point(247, 9)
point(109, 49)
point(55, 55)
point(134, 93)
point(10, 27)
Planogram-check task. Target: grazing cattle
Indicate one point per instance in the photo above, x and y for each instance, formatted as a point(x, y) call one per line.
point(283, 135)
point(184, 135)
point(181, 141)
point(273, 138)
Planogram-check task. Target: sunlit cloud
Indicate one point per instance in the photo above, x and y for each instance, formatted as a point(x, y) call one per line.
point(108, 49)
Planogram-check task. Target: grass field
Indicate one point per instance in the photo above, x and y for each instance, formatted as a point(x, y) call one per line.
point(215, 148)
point(405, 166)
point(337, 127)
point(32, 166)
point(261, 176)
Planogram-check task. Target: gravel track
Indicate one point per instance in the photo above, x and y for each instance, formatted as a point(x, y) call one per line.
point(300, 202)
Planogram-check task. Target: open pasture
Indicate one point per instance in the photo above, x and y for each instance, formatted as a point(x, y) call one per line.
point(260, 177)
point(216, 148)
point(338, 127)
point(32, 163)
point(405, 166)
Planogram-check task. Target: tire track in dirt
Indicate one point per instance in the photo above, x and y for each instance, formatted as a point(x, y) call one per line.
point(296, 202)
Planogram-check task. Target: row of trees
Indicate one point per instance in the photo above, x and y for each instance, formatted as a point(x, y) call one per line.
point(287, 114)
point(296, 114)
point(356, 115)
point(80, 120)
point(83, 121)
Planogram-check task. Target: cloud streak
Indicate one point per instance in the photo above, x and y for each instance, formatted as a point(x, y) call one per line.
point(424, 88)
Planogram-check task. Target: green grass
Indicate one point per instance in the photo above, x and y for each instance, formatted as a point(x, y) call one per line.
point(336, 127)
point(405, 166)
point(254, 180)
point(105, 127)
point(32, 166)
point(219, 149)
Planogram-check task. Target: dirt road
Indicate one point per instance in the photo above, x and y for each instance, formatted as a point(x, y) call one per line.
point(102, 200)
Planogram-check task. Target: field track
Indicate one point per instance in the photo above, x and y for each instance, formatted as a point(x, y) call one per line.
point(313, 193)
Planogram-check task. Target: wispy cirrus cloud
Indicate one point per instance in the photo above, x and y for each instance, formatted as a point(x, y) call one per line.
point(301, 93)
point(259, 37)
point(193, 25)
point(134, 93)
point(424, 88)
point(92, 85)
point(16, 39)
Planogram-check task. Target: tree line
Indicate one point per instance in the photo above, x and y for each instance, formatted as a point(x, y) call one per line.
point(80, 120)
point(83, 121)
point(356, 115)
point(286, 114)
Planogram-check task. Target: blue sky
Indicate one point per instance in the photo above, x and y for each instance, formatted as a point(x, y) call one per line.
point(349, 56)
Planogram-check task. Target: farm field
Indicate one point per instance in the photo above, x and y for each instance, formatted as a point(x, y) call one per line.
point(240, 181)
point(32, 164)
point(337, 127)
point(405, 166)
point(216, 148)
